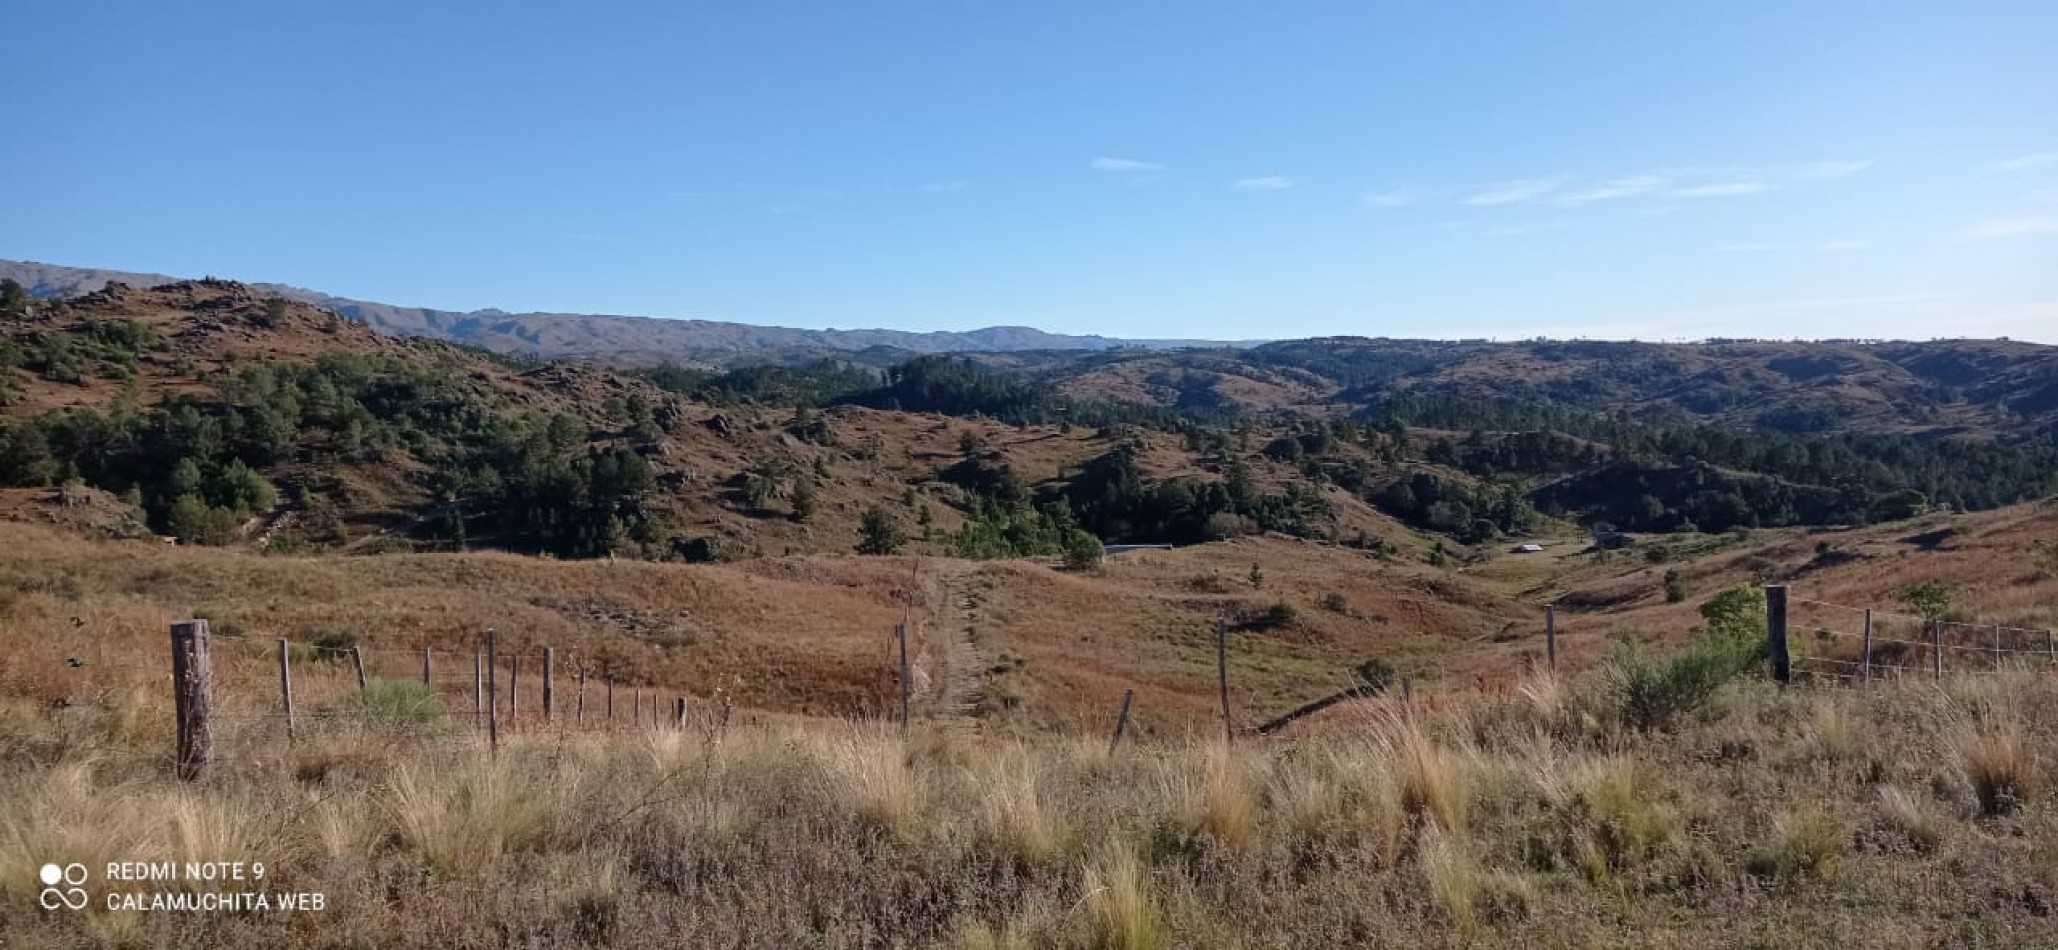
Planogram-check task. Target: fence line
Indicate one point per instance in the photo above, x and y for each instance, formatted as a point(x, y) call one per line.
point(1974, 648)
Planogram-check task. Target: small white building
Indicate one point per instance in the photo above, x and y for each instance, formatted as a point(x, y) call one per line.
point(1528, 548)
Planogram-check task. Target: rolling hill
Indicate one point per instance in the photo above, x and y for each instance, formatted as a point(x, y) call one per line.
point(626, 339)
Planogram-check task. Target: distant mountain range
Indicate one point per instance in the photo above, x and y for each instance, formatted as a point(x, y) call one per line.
point(628, 339)
point(1989, 388)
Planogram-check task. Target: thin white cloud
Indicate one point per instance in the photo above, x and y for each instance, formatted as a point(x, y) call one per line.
point(1387, 199)
point(1615, 188)
point(2008, 228)
point(1125, 165)
point(1513, 192)
point(1720, 189)
point(1265, 183)
point(1499, 230)
point(2022, 163)
point(1760, 247)
point(1826, 169)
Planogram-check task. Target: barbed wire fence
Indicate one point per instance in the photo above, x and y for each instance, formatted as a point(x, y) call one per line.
point(1852, 644)
point(299, 693)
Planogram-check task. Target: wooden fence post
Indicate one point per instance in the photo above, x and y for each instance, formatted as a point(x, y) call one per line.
point(582, 694)
point(286, 689)
point(426, 681)
point(1936, 649)
point(1551, 636)
point(493, 690)
point(900, 633)
point(1222, 676)
point(549, 683)
point(1865, 661)
point(1775, 632)
point(192, 696)
point(357, 660)
point(636, 708)
point(1997, 646)
point(610, 700)
point(2051, 644)
point(1121, 721)
point(679, 712)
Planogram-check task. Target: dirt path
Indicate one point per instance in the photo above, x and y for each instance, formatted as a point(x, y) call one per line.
point(958, 663)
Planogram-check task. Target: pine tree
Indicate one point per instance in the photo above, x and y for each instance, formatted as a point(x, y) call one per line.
point(804, 501)
point(880, 532)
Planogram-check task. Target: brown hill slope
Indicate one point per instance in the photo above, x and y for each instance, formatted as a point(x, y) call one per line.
point(126, 350)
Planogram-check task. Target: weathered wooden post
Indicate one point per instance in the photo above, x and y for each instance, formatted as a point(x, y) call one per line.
point(426, 681)
point(582, 695)
point(900, 633)
point(549, 683)
point(1222, 676)
point(1865, 661)
point(610, 700)
point(493, 690)
point(514, 689)
point(1936, 649)
point(2051, 644)
point(286, 689)
point(1551, 636)
point(1775, 632)
point(192, 696)
point(679, 712)
point(357, 660)
point(1997, 646)
point(1121, 721)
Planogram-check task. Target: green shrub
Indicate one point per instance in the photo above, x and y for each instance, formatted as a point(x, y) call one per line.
point(391, 703)
point(1083, 551)
point(1378, 674)
point(1653, 692)
point(332, 644)
point(1279, 614)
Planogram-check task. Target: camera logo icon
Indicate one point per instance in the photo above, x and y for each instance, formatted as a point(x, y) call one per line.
point(64, 887)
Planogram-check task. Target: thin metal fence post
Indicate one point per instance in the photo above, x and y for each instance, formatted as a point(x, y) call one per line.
point(1122, 720)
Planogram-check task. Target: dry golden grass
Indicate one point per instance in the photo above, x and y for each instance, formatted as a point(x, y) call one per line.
point(2004, 769)
point(1481, 822)
point(1119, 910)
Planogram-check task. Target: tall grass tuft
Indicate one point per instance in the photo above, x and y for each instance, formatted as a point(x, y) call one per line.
point(2003, 769)
point(1016, 814)
point(1120, 914)
point(1434, 783)
point(1220, 803)
point(872, 769)
point(1806, 841)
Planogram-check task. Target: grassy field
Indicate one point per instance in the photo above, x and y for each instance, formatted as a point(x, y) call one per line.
point(1903, 815)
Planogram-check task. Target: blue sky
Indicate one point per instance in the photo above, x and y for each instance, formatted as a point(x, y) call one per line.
point(1148, 169)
